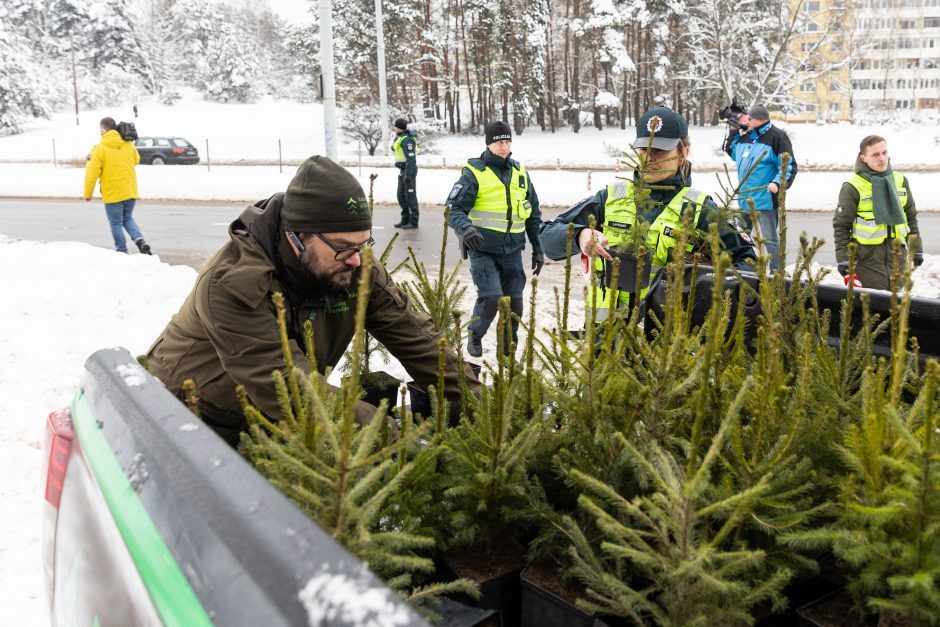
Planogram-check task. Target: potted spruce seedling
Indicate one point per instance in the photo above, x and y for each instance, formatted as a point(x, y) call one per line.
point(482, 482)
point(377, 385)
point(629, 270)
point(439, 298)
point(352, 479)
point(887, 531)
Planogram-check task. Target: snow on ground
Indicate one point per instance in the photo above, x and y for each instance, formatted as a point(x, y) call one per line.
point(240, 133)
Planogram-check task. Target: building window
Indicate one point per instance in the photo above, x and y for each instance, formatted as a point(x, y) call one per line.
point(811, 6)
point(808, 87)
point(808, 107)
point(811, 27)
point(907, 24)
point(833, 107)
point(836, 46)
point(932, 22)
point(834, 86)
point(806, 46)
point(930, 43)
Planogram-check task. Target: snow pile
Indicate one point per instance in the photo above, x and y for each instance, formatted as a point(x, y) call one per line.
point(61, 302)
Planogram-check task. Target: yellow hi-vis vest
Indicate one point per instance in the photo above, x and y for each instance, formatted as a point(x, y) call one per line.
point(620, 215)
point(500, 207)
point(397, 149)
point(865, 230)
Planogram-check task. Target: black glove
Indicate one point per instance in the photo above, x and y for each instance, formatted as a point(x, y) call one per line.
point(538, 260)
point(471, 238)
point(918, 259)
point(843, 268)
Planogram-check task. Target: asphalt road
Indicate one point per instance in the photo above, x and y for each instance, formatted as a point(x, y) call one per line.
point(189, 234)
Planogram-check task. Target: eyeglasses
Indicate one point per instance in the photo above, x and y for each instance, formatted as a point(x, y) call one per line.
point(342, 254)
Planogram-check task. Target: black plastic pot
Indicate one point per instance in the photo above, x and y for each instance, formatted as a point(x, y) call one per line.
point(832, 610)
point(627, 274)
point(456, 614)
point(543, 608)
point(379, 385)
point(500, 591)
point(802, 592)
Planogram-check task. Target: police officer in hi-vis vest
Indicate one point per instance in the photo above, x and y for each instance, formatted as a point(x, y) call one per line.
point(875, 208)
point(662, 135)
point(405, 147)
point(493, 209)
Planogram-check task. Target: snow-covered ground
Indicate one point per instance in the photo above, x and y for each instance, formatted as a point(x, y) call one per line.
point(62, 301)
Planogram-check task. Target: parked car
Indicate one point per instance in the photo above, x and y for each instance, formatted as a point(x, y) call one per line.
point(171, 150)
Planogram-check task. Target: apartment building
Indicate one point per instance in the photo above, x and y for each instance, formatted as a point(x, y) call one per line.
point(887, 59)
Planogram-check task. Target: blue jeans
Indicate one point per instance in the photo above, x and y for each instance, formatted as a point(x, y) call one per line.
point(120, 217)
point(768, 229)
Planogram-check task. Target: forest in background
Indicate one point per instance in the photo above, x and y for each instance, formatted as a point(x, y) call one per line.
point(451, 64)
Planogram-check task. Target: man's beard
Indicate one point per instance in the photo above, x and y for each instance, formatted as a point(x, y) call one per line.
point(337, 281)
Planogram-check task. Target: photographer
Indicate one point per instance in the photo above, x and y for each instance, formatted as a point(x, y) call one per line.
point(756, 146)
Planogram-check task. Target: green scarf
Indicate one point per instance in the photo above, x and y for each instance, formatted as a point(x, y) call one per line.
point(884, 197)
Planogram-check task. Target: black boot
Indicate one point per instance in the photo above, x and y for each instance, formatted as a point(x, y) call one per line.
point(474, 346)
point(143, 246)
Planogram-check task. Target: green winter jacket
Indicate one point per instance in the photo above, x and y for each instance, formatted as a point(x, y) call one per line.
point(225, 334)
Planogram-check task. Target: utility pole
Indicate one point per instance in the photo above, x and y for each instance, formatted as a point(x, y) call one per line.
point(328, 80)
point(74, 76)
point(383, 92)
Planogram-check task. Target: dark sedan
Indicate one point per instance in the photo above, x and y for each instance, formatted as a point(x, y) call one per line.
point(169, 150)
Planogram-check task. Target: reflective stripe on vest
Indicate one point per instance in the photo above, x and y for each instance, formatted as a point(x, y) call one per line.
point(865, 229)
point(498, 206)
point(620, 216)
point(399, 152)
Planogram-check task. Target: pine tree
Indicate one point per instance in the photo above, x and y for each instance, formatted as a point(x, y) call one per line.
point(21, 93)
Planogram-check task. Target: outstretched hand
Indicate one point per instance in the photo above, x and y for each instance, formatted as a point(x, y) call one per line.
point(593, 243)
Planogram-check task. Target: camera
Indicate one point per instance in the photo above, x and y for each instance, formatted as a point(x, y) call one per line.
point(731, 113)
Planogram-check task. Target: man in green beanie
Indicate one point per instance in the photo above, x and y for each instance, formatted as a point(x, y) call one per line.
point(875, 209)
point(305, 244)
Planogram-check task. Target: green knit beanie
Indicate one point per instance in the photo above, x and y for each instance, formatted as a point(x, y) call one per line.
point(324, 198)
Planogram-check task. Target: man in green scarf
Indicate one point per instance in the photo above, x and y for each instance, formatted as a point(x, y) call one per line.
point(875, 209)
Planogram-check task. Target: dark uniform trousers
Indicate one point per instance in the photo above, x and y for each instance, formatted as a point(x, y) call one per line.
point(495, 276)
point(407, 199)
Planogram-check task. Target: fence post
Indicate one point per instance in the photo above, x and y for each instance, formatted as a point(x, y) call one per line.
point(280, 161)
point(589, 180)
point(208, 161)
point(55, 162)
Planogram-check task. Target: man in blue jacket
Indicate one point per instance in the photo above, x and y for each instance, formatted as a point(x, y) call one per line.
point(756, 146)
point(493, 210)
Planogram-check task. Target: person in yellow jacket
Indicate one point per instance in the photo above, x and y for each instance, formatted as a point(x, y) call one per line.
point(875, 209)
point(113, 161)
